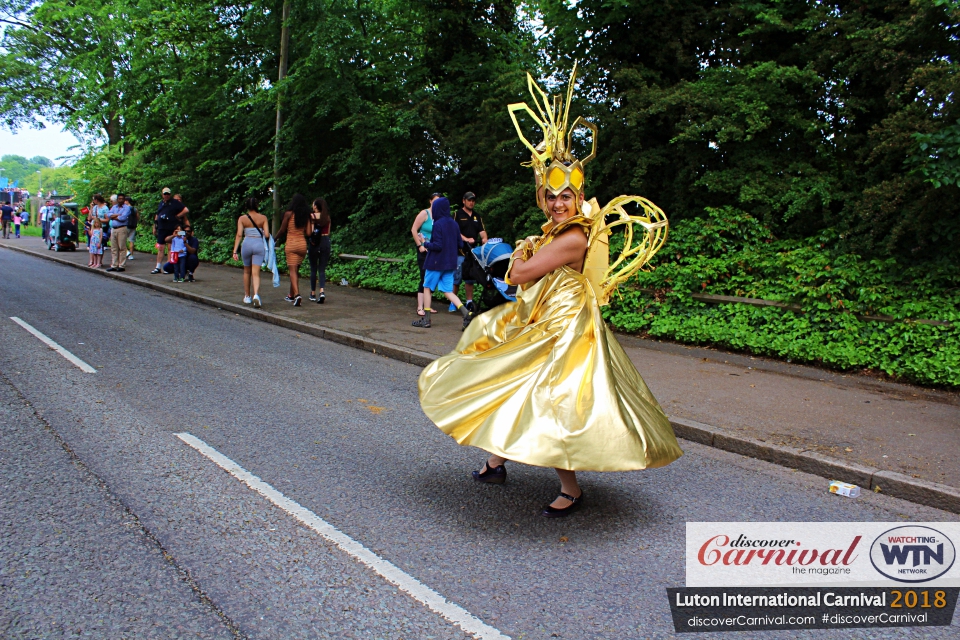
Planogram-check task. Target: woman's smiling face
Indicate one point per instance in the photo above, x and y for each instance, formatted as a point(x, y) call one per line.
point(562, 206)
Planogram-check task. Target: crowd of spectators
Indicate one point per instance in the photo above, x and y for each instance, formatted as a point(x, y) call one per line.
point(444, 241)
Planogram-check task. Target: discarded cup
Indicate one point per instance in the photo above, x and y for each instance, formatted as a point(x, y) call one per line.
point(844, 489)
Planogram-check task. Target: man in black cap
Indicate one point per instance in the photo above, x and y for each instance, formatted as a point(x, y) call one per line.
point(166, 220)
point(473, 234)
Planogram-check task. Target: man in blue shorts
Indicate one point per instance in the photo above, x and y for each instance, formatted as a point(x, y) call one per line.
point(441, 262)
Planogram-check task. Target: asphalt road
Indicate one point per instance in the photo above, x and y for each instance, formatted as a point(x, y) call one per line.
point(135, 534)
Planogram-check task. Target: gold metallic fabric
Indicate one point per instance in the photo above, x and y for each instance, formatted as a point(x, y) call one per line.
point(544, 382)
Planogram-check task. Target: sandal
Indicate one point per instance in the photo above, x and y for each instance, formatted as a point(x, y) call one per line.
point(420, 312)
point(422, 322)
point(553, 512)
point(496, 475)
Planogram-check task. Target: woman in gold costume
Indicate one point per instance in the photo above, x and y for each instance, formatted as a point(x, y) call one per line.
point(542, 380)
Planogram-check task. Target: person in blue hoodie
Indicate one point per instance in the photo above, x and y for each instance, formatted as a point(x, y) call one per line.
point(441, 262)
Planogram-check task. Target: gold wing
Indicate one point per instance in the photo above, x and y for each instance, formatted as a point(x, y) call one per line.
point(638, 248)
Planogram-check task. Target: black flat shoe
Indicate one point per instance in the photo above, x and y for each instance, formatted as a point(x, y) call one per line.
point(496, 475)
point(553, 512)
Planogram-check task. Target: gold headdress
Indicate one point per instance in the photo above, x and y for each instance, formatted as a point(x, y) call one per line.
point(553, 164)
point(555, 170)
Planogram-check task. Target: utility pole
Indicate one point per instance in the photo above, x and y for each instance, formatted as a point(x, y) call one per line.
point(284, 50)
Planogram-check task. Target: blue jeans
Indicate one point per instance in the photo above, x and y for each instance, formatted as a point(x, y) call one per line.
point(179, 268)
point(458, 274)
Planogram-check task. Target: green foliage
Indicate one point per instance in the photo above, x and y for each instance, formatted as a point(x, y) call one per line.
point(799, 113)
point(731, 253)
point(938, 156)
point(19, 169)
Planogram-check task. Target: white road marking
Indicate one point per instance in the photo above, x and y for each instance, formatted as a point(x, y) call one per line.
point(83, 366)
point(387, 570)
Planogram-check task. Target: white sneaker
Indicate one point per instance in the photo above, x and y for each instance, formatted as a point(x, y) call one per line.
point(129, 256)
point(247, 300)
point(256, 302)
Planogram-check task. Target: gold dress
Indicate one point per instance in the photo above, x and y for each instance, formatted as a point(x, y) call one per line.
point(544, 382)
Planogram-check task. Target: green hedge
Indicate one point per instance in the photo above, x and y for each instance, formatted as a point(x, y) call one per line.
point(730, 253)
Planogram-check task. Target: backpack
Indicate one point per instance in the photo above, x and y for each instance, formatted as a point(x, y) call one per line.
point(316, 234)
point(133, 218)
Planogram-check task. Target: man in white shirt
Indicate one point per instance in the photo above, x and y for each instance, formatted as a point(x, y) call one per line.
point(44, 221)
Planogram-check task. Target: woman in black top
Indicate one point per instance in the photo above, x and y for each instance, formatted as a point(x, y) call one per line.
point(318, 248)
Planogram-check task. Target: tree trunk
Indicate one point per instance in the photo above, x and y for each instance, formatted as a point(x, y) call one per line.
point(112, 130)
point(284, 49)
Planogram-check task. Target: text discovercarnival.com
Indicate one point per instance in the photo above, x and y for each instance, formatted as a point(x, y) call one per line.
point(799, 575)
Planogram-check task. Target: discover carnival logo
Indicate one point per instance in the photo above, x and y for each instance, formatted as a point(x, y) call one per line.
point(744, 551)
point(912, 554)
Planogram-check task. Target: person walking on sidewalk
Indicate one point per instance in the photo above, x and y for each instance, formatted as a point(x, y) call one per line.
point(421, 231)
point(16, 222)
point(119, 214)
point(253, 230)
point(293, 235)
point(166, 220)
point(318, 248)
point(441, 262)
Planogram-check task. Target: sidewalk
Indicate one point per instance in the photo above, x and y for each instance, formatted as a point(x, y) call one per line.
point(852, 425)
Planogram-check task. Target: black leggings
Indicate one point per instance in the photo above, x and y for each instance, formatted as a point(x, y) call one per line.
point(319, 256)
point(421, 261)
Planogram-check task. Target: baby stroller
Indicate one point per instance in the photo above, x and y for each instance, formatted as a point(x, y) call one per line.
point(491, 262)
point(63, 233)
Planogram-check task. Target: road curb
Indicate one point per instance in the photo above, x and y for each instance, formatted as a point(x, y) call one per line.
point(891, 483)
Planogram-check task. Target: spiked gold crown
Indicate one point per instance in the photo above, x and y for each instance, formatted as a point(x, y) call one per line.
point(554, 166)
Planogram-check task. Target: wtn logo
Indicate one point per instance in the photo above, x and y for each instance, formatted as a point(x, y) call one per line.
point(912, 554)
point(900, 555)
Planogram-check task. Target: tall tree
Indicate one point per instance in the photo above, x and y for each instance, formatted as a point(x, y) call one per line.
point(64, 62)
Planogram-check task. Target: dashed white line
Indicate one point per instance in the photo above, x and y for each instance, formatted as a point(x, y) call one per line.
point(387, 570)
point(83, 366)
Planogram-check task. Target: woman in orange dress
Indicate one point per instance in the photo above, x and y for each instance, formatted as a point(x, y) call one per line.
point(293, 234)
